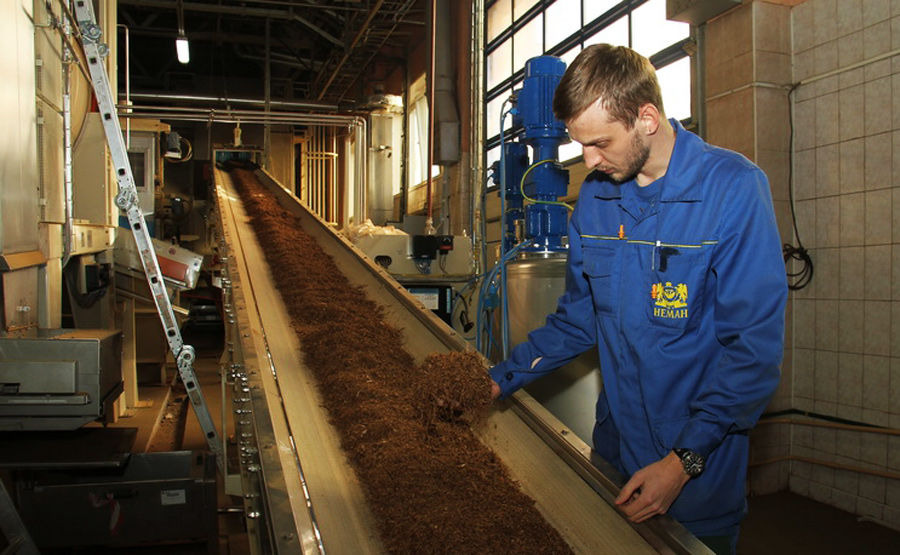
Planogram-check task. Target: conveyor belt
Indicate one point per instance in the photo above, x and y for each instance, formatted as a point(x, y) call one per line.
point(310, 498)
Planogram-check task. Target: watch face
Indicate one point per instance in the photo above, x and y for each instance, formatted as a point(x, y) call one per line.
point(691, 461)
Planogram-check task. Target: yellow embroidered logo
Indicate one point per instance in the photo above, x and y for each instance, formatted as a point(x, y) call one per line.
point(670, 300)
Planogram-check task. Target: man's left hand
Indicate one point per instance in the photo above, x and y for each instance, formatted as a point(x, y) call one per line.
point(652, 489)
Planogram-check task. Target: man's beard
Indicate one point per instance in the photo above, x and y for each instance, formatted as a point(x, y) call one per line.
point(637, 157)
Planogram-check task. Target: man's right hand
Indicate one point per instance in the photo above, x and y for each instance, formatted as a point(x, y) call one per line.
point(495, 390)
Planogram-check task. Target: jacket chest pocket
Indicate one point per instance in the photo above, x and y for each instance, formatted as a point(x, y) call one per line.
point(677, 283)
point(598, 267)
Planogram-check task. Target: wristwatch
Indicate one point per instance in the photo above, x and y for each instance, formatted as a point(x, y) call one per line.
point(692, 461)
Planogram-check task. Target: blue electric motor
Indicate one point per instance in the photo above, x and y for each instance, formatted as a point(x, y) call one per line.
point(545, 224)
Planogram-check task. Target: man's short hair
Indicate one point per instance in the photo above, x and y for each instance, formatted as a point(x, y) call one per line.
point(621, 77)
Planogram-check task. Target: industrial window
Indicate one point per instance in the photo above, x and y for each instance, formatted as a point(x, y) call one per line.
point(520, 29)
point(418, 135)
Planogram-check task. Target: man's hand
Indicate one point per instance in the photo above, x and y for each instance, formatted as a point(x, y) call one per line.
point(652, 489)
point(495, 390)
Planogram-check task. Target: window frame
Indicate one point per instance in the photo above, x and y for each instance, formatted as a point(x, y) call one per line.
point(668, 55)
point(418, 102)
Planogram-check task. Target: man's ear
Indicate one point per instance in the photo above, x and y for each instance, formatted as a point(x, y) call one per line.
point(648, 118)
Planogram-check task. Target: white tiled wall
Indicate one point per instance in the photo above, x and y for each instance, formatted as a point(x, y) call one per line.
point(846, 340)
point(748, 74)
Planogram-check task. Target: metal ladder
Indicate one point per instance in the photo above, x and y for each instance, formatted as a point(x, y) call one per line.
point(127, 201)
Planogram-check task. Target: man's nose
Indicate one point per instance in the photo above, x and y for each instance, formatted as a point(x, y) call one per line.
point(592, 157)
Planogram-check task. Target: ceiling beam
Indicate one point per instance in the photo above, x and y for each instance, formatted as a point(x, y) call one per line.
point(325, 34)
point(343, 60)
point(214, 36)
point(218, 9)
point(237, 11)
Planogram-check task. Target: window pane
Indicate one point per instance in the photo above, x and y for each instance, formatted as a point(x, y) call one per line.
point(418, 142)
point(562, 19)
point(675, 82)
point(523, 6)
point(569, 56)
point(415, 151)
point(499, 64)
point(651, 31)
point(499, 18)
point(422, 148)
point(595, 8)
point(615, 34)
point(569, 151)
point(528, 43)
point(492, 113)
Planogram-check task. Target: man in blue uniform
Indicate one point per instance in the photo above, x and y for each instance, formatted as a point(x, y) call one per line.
point(675, 273)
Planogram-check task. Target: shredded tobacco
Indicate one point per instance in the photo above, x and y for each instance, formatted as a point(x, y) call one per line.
point(432, 486)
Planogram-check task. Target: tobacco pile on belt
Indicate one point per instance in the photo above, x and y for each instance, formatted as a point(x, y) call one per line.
point(431, 484)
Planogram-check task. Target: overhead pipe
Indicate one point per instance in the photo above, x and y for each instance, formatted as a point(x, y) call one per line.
point(284, 60)
point(226, 100)
point(332, 163)
point(476, 115)
point(362, 164)
point(404, 161)
point(429, 220)
point(209, 116)
point(267, 93)
point(232, 119)
point(154, 111)
point(325, 34)
point(445, 132)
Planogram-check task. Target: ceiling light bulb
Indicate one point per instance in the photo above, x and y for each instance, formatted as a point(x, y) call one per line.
point(183, 50)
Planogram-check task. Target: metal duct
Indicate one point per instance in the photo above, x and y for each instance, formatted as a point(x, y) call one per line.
point(446, 117)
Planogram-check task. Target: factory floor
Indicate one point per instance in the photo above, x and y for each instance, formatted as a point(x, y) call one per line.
point(232, 533)
point(232, 538)
point(785, 523)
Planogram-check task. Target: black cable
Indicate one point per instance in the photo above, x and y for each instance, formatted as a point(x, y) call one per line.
point(464, 319)
point(89, 299)
point(801, 278)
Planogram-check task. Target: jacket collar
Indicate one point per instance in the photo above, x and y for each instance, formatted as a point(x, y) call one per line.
point(681, 183)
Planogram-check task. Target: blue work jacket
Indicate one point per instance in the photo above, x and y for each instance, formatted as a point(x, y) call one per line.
point(685, 301)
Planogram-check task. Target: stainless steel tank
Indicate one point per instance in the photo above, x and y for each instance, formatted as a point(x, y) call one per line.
point(534, 284)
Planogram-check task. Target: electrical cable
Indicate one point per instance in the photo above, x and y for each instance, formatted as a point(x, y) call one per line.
point(483, 227)
point(491, 340)
point(90, 298)
point(801, 278)
point(424, 266)
point(534, 200)
point(504, 299)
point(490, 277)
point(464, 320)
point(186, 157)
